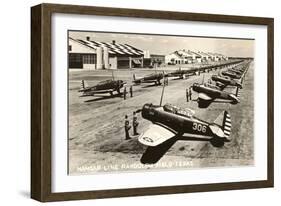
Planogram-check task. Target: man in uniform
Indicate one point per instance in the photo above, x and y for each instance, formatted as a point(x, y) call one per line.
point(125, 93)
point(131, 91)
point(190, 93)
point(135, 124)
point(187, 95)
point(127, 128)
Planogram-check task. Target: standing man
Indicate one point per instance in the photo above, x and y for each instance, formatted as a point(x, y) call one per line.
point(135, 124)
point(125, 93)
point(166, 81)
point(131, 91)
point(127, 128)
point(187, 95)
point(190, 93)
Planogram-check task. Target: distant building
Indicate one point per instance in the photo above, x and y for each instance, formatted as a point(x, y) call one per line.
point(183, 57)
point(205, 57)
point(174, 58)
point(197, 58)
point(157, 58)
point(89, 54)
point(188, 56)
point(217, 57)
point(152, 60)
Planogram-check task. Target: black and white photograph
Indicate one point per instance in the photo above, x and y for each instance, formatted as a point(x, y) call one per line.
point(145, 102)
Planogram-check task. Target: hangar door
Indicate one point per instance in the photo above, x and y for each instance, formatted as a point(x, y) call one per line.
point(113, 62)
point(75, 61)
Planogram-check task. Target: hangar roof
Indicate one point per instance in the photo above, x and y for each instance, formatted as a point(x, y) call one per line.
point(113, 48)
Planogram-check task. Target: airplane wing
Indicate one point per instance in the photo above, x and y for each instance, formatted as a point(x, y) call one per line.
point(149, 81)
point(204, 97)
point(204, 100)
point(98, 92)
point(155, 135)
point(84, 90)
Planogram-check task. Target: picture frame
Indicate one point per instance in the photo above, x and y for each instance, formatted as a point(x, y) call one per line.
point(41, 101)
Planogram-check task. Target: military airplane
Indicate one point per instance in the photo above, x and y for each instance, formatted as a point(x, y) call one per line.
point(236, 71)
point(182, 74)
point(223, 81)
point(171, 123)
point(150, 78)
point(107, 86)
point(231, 74)
point(208, 93)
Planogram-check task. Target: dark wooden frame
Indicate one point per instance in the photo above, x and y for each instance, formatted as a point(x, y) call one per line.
point(41, 101)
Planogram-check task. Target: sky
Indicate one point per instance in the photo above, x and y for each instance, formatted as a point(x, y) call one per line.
point(162, 44)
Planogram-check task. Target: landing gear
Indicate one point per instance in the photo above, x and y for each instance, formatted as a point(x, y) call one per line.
point(118, 91)
point(158, 82)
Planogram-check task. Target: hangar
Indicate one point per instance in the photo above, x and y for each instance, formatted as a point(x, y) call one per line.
point(188, 57)
point(217, 57)
point(89, 54)
point(205, 57)
point(152, 60)
point(183, 57)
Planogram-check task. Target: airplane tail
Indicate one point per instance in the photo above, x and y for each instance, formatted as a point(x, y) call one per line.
point(239, 84)
point(83, 85)
point(224, 122)
point(237, 94)
point(226, 125)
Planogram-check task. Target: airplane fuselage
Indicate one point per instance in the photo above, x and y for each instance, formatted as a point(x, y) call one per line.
point(150, 78)
point(108, 86)
point(238, 72)
point(226, 81)
point(214, 93)
point(231, 74)
point(180, 73)
point(179, 122)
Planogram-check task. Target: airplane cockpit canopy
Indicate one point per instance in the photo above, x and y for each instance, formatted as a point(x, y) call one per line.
point(210, 85)
point(105, 82)
point(178, 110)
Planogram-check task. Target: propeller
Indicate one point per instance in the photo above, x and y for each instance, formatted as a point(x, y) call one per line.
point(162, 94)
point(203, 78)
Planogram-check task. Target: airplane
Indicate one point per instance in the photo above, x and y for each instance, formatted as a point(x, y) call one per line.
point(150, 78)
point(236, 71)
point(208, 93)
point(231, 74)
point(107, 86)
point(183, 73)
point(171, 123)
point(223, 81)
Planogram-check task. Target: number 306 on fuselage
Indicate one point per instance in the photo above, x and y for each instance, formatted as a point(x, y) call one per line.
point(171, 121)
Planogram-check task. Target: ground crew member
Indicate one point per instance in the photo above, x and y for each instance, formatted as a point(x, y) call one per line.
point(166, 81)
point(135, 124)
point(190, 93)
point(127, 128)
point(125, 93)
point(131, 91)
point(187, 95)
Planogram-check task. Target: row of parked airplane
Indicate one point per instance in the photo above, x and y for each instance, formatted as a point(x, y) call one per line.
point(170, 123)
point(232, 77)
point(112, 85)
